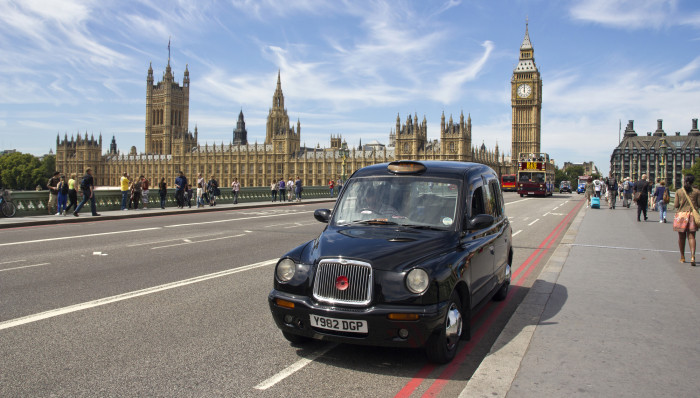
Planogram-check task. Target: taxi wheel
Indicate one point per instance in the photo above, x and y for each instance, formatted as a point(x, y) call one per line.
point(442, 345)
point(295, 339)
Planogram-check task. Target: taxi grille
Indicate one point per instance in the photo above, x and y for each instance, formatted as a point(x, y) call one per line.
point(359, 275)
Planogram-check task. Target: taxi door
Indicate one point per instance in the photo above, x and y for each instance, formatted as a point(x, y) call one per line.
point(480, 243)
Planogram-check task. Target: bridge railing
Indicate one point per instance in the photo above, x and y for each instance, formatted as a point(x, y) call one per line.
point(32, 203)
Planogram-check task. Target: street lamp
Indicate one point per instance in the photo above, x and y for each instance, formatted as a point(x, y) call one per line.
point(662, 148)
point(344, 152)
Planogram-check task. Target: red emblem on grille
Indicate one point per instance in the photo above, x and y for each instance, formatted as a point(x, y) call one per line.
point(341, 282)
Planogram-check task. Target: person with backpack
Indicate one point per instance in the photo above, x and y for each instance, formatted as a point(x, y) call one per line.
point(72, 193)
point(235, 188)
point(661, 198)
point(686, 203)
point(87, 185)
point(298, 189)
point(641, 191)
point(213, 187)
point(282, 190)
point(180, 185)
point(136, 188)
point(62, 196)
point(612, 192)
point(627, 192)
point(52, 184)
point(162, 192)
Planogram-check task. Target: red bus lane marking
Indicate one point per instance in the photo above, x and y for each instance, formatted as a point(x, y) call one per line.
point(444, 376)
point(452, 368)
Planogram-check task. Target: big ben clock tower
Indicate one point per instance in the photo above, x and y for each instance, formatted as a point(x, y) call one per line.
point(526, 100)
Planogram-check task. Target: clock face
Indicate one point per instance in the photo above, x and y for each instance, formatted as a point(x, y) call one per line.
point(524, 90)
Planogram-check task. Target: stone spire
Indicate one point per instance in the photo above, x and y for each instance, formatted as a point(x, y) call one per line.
point(527, 45)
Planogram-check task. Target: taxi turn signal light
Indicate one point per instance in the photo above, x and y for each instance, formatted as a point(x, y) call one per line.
point(284, 303)
point(403, 317)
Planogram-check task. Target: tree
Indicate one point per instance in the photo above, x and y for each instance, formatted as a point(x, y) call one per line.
point(695, 170)
point(25, 171)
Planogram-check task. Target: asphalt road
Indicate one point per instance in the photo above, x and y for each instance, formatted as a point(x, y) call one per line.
point(177, 306)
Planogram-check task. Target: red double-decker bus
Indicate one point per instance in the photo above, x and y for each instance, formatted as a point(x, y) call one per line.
point(535, 174)
point(508, 182)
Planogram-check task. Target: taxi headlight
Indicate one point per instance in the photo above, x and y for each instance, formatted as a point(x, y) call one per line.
point(285, 270)
point(417, 280)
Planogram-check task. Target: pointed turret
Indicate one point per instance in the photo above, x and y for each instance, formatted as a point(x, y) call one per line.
point(527, 45)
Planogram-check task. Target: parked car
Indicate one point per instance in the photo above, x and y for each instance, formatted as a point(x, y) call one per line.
point(410, 250)
point(565, 186)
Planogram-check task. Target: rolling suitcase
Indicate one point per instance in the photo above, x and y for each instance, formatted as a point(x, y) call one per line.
point(595, 202)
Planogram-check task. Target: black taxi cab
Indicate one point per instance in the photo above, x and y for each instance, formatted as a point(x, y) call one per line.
point(410, 250)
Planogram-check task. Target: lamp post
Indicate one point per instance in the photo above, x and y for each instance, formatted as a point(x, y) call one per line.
point(344, 152)
point(663, 148)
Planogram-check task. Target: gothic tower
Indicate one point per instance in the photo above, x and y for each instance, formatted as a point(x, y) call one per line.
point(278, 132)
point(240, 134)
point(411, 138)
point(526, 101)
point(456, 139)
point(167, 114)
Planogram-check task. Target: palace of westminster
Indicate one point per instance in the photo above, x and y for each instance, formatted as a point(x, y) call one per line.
point(170, 146)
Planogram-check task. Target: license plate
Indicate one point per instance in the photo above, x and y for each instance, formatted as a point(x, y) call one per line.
point(340, 325)
point(530, 193)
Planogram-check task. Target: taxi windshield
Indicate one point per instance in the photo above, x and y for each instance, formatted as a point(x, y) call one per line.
point(415, 202)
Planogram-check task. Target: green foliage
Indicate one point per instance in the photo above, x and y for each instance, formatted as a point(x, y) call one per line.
point(695, 170)
point(23, 171)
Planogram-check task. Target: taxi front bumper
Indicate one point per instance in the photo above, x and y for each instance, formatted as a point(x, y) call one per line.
point(381, 331)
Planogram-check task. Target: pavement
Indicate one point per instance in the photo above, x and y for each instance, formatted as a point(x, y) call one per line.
point(85, 216)
point(612, 314)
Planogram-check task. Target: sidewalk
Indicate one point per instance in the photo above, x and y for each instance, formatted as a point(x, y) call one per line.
point(150, 212)
point(613, 314)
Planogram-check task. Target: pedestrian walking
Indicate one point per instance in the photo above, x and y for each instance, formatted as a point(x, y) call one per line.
point(214, 191)
point(290, 188)
point(339, 184)
point(200, 190)
point(125, 187)
point(72, 194)
point(180, 185)
point(588, 191)
point(687, 202)
point(612, 192)
point(597, 186)
point(87, 185)
point(331, 186)
point(282, 190)
point(273, 190)
point(235, 187)
point(641, 196)
point(162, 192)
point(660, 197)
point(144, 192)
point(136, 187)
point(52, 184)
point(627, 187)
point(62, 196)
point(298, 189)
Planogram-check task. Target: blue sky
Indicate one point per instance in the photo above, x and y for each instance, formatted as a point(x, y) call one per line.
point(349, 67)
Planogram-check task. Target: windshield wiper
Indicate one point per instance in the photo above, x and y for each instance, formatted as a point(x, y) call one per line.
point(375, 221)
point(417, 226)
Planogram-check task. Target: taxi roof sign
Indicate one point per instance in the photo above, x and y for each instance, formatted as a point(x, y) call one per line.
point(406, 167)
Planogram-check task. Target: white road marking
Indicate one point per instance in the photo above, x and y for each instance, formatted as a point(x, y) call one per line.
point(24, 266)
point(188, 242)
point(545, 214)
point(171, 240)
point(235, 219)
point(24, 242)
point(291, 369)
point(537, 219)
point(13, 261)
point(519, 231)
point(521, 200)
point(125, 296)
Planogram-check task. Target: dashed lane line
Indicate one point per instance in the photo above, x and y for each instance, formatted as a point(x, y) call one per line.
point(519, 231)
point(189, 242)
point(537, 219)
point(293, 368)
point(125, 296)
point(11, 262)
point(24, 266)
point(235, 219)
point(24, 242)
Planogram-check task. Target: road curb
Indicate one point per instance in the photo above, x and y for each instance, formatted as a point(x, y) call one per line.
point(86, 217)
point(495, 374)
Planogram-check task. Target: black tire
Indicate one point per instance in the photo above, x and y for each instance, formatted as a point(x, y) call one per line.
point(521, 195)
point(295, 339)
point(439, 348)
point(502, 292)
point(8, 209)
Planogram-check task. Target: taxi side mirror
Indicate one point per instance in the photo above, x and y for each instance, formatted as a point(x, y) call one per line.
point(480, 221)
point(322, 215)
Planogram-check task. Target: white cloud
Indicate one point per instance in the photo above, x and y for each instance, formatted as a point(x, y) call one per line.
point(450, 86)
point(627, 14)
